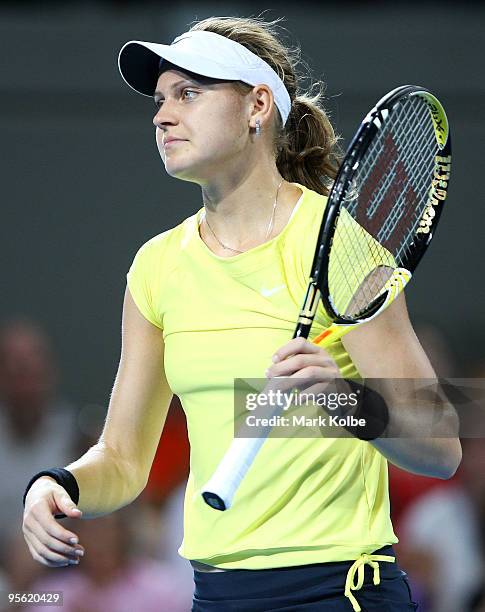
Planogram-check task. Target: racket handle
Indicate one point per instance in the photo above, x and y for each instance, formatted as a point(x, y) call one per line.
point(219, 491)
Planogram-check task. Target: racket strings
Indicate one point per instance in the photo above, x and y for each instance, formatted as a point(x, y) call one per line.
point(382, 208)
point(354, 258)
point(418, 149)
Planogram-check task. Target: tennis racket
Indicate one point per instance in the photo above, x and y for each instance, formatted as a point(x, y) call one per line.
point(380, 217)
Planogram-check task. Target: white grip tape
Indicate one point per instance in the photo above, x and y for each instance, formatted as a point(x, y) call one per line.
point(236, 462)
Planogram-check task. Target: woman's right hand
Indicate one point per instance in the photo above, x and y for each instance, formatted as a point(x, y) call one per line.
point(48, 541)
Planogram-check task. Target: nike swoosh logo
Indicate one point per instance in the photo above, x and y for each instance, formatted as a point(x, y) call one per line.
point(269, 292)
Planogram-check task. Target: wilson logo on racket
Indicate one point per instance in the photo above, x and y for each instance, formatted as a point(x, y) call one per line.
point(437, 193)
point(378, 196)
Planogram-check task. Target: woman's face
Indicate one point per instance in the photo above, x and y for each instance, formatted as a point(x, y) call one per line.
point(208, 118)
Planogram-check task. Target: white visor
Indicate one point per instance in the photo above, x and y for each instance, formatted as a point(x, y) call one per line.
point(204, 53)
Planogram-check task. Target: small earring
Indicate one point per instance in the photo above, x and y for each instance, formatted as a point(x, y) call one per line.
point(258, 127)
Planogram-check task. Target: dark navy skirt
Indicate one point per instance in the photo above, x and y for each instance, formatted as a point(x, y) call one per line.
point(307, 588)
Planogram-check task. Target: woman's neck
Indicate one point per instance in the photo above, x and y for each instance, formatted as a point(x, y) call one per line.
point(243, 215)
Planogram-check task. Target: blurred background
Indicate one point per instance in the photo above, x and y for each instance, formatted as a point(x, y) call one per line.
point(83, 187)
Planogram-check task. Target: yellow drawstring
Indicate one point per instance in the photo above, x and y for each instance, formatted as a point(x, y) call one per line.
point(358, 566)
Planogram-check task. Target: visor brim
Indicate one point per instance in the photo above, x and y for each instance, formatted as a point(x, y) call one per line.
point(139, 62)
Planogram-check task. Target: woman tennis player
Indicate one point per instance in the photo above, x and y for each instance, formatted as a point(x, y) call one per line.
point(216, 298)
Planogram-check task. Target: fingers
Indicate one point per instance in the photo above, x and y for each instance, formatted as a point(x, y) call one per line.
point(294, 346)
point(301, 359)
point(43, 554)
point(41, 513)
point(316, 363)
point(44, 534)
point(49, 543)
point(39, 559)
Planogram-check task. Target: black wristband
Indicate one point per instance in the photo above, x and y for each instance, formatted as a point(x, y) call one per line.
point(62, 477)
point(373, 409)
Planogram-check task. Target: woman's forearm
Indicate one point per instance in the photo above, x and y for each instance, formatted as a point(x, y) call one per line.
point(422, 432)
point(433, 457)
point(106, 481)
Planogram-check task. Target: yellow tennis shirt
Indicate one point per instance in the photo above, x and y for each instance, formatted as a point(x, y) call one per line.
point(304, 500)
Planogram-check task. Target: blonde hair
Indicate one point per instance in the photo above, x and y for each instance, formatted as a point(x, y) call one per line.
point(307, 149)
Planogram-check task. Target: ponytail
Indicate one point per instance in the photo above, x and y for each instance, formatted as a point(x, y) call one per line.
point(307, 147)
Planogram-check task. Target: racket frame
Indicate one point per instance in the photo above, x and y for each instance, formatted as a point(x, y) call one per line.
point(372, 123)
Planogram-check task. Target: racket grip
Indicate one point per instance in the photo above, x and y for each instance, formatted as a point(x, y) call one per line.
point(220, 490)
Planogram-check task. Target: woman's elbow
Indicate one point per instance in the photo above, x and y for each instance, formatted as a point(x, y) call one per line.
point(452, 459)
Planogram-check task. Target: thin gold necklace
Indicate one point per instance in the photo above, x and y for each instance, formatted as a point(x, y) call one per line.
point(268, 231)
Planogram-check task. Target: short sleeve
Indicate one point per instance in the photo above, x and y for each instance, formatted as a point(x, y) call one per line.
point(140, 279)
